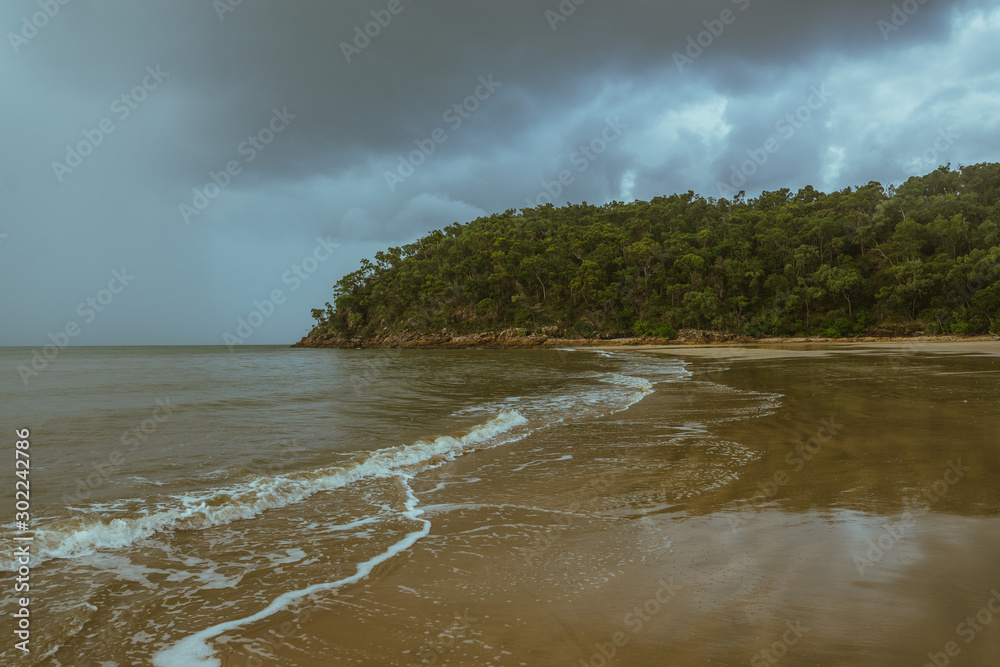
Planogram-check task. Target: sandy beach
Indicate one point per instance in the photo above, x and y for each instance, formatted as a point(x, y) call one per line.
point(804, 504)
point(801, 503)
point(773, 348)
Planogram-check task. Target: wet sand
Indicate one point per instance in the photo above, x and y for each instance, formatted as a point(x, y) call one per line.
point(808, 505)
point(775, 348)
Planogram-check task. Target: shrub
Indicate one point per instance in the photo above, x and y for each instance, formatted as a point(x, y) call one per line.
point(654, 329)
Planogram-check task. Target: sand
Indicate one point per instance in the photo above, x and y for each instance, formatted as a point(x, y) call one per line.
point(768, 510)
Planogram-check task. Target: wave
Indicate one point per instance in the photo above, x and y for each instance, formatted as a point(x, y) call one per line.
point(194, 650)
point(247, 500)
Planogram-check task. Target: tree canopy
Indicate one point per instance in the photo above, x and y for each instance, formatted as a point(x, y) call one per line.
point(921, 257)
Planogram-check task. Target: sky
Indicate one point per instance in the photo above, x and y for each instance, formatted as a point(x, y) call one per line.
point(198, 172)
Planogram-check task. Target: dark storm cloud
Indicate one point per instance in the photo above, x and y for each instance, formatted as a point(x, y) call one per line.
point(695, 89)
point(230, 73)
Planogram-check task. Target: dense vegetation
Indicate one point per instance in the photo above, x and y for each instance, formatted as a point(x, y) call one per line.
point(925, 256)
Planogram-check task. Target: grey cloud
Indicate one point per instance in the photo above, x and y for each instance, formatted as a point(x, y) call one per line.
point(325, 174)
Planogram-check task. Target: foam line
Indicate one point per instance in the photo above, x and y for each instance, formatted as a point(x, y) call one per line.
point(194, 651)
point(246, 501)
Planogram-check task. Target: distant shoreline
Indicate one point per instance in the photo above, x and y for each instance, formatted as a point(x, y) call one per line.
point(511, 340)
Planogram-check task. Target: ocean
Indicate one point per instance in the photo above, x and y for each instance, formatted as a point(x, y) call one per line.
point(194, 506)
point(177, 493)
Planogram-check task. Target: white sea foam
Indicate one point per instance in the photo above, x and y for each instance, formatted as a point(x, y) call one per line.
point(194, 651)
point(624, 391)
point(614, 393)
point(539, 462)
point(247, 500)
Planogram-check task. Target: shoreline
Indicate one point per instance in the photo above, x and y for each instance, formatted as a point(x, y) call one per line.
point(537, 557)
point(512, 339)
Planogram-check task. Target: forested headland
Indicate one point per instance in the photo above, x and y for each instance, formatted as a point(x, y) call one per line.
point(923, 257)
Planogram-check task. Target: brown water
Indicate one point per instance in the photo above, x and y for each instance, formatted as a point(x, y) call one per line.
point(815, 506)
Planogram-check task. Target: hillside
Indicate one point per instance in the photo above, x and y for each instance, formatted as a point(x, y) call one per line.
point(860, 261)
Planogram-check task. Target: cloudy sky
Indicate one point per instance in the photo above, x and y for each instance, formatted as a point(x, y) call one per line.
point(216, 154)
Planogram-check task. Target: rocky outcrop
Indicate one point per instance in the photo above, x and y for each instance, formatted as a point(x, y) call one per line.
point(518, 338)
point(701, 337)
point(509, 338)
